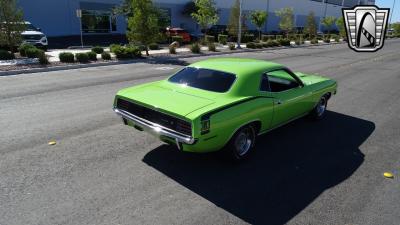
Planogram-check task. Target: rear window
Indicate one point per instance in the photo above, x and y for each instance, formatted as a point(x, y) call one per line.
point(206, 79)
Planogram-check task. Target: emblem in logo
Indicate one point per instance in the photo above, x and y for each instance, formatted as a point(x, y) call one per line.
point(366, 27)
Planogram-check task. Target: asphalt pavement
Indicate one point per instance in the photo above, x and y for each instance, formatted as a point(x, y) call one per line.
point(102, 172)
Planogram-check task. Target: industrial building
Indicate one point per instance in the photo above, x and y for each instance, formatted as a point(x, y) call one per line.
point(59, 19)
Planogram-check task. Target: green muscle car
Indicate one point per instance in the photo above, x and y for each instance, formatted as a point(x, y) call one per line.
point(223, 102)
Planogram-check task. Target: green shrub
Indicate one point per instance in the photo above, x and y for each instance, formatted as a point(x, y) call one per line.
point(177, 38)
point(153, 46)
point(106, 56)
point(279, 37)
point(98, 49)
point(211, 47)
point(327, 40)
point(129, 52)
point(43, 59)
point(248, 38)
point(284, 42)
point(275, 43)
point(232, 46)
point(266, 38)
point(22, 49)
point(314, 41)
point(32, 52)
point(259, 45)
point(92, 56)
point(172, 49)
point(222, 39)
point(66, 57)
point(82, 57)
point(251, 45)
point(195, 48)
point(113, 47)
point(299, 42)
point(209, 39)
point(6, 55)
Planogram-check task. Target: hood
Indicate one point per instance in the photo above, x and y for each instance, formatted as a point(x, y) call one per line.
point(166, 99)
point(31, 32)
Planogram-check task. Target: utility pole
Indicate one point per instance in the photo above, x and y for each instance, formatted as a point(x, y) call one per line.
point(79, 15)
point(240, 25)
point(391, 14)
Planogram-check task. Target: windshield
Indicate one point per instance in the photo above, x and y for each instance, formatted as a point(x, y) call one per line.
point(206, 79)
point(30, 27)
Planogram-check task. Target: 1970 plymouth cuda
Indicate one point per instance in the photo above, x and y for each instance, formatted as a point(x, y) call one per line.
point(223, 102)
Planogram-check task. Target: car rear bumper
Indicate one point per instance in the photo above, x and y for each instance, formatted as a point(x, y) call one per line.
point(156, 129)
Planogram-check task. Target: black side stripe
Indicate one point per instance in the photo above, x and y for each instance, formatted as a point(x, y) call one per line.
point(209, 114)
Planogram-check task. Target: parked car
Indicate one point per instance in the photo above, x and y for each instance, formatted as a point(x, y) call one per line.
point(33, 35)
point(223, 102)
point(176, 31)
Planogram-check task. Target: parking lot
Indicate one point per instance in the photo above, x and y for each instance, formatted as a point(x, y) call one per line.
point(102, 172)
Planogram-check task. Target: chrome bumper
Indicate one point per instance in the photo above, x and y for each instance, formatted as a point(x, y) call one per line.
point(156, 128)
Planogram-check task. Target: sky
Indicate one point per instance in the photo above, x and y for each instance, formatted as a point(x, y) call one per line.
point(389, 4)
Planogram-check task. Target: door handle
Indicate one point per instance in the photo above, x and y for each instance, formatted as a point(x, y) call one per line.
point(279, 102)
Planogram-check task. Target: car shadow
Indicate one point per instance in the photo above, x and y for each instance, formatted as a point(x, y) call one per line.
point(290, 167)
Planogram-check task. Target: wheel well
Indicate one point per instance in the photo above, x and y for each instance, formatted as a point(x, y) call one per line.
point(257, 126)
point(328, 95)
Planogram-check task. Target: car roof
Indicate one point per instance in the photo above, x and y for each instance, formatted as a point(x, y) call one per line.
point(238, 66)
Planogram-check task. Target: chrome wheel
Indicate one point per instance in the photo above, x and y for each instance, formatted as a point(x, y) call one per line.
point(321, 107)
point(244, 141)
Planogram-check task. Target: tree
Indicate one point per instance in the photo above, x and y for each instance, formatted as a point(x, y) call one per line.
point(11, 24)
point(143, 24)
point(286, 19)
point(125, 8)
point(233, 25)
point(189, 8)
point(340, 25)
point(396, 28)
point(311, 26)
point(259, 18)
point(206, 14)
point(328, 22)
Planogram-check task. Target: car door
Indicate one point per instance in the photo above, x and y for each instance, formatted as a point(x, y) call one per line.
point(290, 97)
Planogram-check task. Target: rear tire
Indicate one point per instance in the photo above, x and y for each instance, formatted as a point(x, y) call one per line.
point(320, 109)
point(242, 143)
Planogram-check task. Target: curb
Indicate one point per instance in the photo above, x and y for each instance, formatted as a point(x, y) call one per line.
point(162, 57)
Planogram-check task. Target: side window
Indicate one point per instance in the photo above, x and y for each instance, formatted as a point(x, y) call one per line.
point(281, 80)
point(264, 84)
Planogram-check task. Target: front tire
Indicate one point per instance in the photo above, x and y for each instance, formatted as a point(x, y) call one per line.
point(320, 109)
point(242, 143)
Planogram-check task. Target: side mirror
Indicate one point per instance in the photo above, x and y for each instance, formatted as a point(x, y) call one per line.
point(38, 29)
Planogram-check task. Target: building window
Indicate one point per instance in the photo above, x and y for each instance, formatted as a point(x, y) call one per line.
point(95, 21)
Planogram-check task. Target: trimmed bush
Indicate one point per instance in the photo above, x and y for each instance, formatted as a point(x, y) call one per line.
point(43, 59)
point(284, 42)
point(327, 40)
point(82, 57)
point(6, 55)
point(299, 42)
point(248, 38)
point(232, 46)
point(113, 47)
point(267, 44)
point(178, 39)
point(266, 38)
point(127, 52)
point(106, 56)
point(211, 47)
point(222, 39)
point(22, 49)
point(92, 56)
point(195, 48)
point(275, 43)
point(153, 46)
point(66, 57)
point(314, 41)
point(279, 37)
point(251, 45)
point(259, 45)
point(32, 52)
point(172, 49)
point(98, 49)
